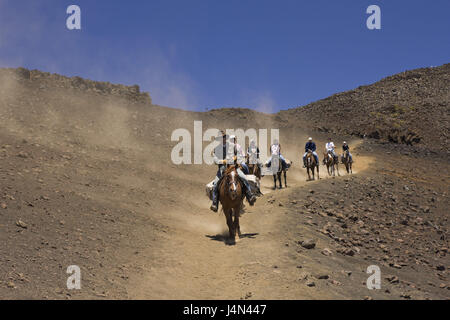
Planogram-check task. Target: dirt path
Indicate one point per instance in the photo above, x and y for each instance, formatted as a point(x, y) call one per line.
point(196, 261)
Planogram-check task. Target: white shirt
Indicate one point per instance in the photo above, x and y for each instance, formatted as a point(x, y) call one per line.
point(219, 153)
point(240, 153)
point(275, 148)
point(329, 146)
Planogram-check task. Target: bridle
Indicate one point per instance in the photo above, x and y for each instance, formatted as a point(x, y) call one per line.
point(231, 183)
point(309, 158)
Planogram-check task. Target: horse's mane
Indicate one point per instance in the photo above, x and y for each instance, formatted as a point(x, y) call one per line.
point(229, 169)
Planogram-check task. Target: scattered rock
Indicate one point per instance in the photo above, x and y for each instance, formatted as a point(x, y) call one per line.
point(23, 155)
point(346, 251)
point(303, 276)
point(21, 224)
point(310, 283)
point(308, 244)
point(335, 282)
point(392, 279)
point(406, 296)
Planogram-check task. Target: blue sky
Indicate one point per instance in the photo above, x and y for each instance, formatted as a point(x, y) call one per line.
point(265, 55)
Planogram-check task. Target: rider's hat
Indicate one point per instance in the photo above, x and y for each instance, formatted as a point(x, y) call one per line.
point(310, 139)
point(221, 134)
point(345, 142)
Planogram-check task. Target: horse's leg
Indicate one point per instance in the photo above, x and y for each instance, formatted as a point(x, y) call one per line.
point(237, 227)
point(274, 181)
point(229, 216)
point(318, 176)
point(285, 179)
point(279, 180)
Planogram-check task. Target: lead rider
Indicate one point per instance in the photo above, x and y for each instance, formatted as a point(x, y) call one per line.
point(226, 153)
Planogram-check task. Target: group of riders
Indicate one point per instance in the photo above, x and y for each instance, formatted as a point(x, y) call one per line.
point(329, 148)
point(229, 152)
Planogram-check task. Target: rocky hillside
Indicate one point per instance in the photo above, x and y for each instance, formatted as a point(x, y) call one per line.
point(48, 82)
point(86, 180)
point(409, 108)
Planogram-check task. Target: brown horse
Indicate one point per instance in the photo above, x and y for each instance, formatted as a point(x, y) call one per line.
point(231, 197)
point(347, 162)
point(331, 163)
point(255, 170)
point(311, 164)
point(253, 167)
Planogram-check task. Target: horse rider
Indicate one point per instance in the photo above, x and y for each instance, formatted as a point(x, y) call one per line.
point(226, 153)
point(275, 148)
point(329, 147)
point(345, 147)
point(253, 154)
point(240, 154)
point(310, 145)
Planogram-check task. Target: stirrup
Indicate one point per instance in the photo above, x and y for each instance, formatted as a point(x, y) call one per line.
point(214, 207)
point(251, 199)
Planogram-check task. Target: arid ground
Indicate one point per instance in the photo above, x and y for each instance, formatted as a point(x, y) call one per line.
point(86, 179)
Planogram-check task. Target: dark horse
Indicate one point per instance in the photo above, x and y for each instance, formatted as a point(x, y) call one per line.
point(253, 167)
point(311, 164)
point(347, 161)
point(278, 169)
point(231, 197)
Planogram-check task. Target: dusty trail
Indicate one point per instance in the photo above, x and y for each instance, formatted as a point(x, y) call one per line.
point(198, 262)
point(87, 179)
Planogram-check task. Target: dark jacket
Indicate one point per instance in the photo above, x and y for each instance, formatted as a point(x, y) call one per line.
point(345, 147)
point(310, 145)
